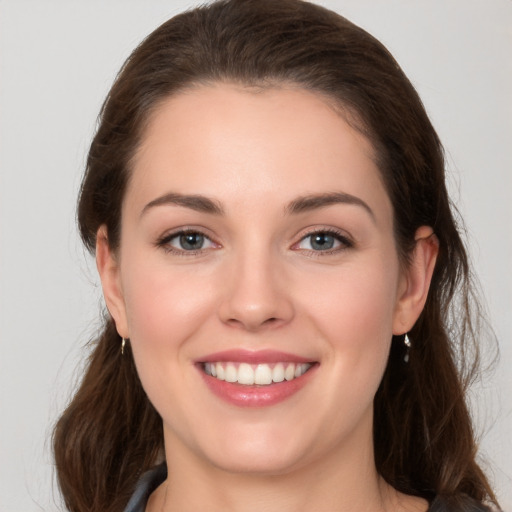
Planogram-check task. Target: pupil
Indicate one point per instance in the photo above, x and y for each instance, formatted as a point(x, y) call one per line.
point(322, 241)
point(192, 241)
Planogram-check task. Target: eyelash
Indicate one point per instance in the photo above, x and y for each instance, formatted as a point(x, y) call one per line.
point(346, 243)
point(164, 242)
point(342, 238)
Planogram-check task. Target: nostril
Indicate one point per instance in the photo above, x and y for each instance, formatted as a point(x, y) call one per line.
point(251, 309)
point(256, 325)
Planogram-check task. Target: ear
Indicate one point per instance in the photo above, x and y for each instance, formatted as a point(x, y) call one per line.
point(108, 268)
point(416, 279)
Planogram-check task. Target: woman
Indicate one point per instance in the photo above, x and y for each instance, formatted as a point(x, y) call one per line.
point(265, 198)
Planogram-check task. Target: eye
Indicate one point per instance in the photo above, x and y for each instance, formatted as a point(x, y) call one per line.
point(324, 241)
point(186, 241)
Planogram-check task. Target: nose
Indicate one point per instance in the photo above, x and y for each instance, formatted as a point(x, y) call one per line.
point(256, 294)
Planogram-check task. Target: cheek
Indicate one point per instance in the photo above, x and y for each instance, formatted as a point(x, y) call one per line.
point(357, 299)
point(164, 305)
point(354, 311)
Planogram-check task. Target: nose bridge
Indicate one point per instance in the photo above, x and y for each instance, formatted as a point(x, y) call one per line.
point(256, 295)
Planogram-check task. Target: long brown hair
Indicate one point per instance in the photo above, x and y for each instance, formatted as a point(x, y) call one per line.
point(424, 442)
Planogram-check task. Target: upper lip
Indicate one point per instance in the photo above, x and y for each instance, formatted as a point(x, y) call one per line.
point(253, 357)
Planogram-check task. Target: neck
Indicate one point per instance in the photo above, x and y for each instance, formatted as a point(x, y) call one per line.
point(344, 480)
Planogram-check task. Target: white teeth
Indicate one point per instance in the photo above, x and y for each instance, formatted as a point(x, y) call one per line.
point(278, 373)
point(221, 374)
point(260, 374)
point(301, 369)
point(289, 373)
point(231, 373)
point(245, 374)
point(263, 375)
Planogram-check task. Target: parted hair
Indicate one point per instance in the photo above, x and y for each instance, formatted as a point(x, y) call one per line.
point(423, 436)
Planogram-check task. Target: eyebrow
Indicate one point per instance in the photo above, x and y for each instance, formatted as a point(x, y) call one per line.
point(302, 204)
point(315, 201)
point(194, 202)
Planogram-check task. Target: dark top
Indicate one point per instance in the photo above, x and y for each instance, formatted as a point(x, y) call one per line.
point(153, 478)
point(148, 482)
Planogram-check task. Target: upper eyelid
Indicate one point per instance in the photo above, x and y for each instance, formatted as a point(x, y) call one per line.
point(345, 240)
point(304, 233)
point(342, 233)
point(164, 242)
point(172, 233)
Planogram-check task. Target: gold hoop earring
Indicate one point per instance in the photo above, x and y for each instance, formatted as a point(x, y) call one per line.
point(123, 344)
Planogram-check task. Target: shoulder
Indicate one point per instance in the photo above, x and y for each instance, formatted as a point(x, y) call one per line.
point(148, 482)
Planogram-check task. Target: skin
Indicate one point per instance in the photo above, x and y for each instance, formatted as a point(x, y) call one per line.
point(258, 283)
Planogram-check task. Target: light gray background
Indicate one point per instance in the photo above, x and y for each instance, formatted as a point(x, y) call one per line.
point(57, 61)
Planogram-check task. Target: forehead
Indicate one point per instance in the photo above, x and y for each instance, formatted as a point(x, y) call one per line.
point(230, 141)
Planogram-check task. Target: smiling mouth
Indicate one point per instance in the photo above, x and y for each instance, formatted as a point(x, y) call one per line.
point(255, 374)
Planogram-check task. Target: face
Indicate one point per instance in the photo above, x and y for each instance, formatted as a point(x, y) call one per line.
point(257, 278)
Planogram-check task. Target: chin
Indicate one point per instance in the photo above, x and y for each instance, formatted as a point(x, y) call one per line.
point(262, 464)
point(256, 450)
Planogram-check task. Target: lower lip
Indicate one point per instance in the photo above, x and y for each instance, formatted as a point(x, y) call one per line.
point(256, 396)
